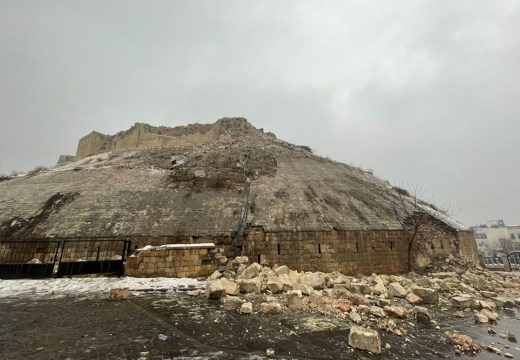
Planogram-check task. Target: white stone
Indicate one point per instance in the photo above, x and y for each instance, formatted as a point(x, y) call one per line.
point(462, 301)
point(396, 290)
point(305, 290)
point(379, 288)
point(365, 339)
point(315, 280)
point(294, 299)
point(377, 311)
point(271, 308)
point(250, 285)
point(316, 297)
point(199, 173)
point(282, 270)
point(246, 308)
point(214, 290)
point(249, 272)
point(428, 295)
point(118, 294)
point(230, 286)
point(413, 299)
point(355, 317)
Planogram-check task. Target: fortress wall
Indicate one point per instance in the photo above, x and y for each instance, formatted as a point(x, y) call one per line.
point(91, 144)
point(349, 252)
point(139, 136)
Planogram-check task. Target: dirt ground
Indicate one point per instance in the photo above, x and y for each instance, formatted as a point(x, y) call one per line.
point(173, 325)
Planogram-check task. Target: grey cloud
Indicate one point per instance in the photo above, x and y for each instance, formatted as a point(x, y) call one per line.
point(421, 92)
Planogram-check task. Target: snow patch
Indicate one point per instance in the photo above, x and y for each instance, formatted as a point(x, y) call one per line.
point(91, 287)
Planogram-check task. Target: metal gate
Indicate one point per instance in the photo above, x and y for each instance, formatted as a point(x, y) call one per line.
point(27, 259)
point(79, 257)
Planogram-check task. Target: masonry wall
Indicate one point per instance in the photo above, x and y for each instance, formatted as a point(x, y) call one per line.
point(468, 249)
point(436, 239)
point(349, 252)
point(179, 262)
point(138, 136)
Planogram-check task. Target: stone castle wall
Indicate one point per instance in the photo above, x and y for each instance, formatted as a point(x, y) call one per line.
point(357, 251)
point(349, 252)
point(188, 261)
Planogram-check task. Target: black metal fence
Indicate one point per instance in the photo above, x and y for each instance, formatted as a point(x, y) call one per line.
point(38, 258)
point(93, 257)
point(27, 259)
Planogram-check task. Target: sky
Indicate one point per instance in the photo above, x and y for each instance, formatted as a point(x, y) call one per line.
point(424, 93)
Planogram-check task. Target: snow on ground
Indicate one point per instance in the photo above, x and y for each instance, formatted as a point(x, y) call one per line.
point(91, 287)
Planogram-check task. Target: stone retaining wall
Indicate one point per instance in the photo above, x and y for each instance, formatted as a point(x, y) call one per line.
point(349, 252)
point(179, 260)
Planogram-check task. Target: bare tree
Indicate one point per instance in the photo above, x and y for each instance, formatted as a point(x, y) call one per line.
point(412, 213)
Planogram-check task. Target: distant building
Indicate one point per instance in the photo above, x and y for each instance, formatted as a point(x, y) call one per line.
point(495, 239)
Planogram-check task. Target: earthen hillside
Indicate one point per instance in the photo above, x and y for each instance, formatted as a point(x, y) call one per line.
point(194, 184)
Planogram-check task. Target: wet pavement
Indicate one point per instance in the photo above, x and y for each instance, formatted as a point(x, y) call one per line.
point(173, 325)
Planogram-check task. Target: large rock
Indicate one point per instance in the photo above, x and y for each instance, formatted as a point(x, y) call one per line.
point(315, 280)
point(250, 272)
point(305, 289)
point(357, 299)
point(118, 294)
point(337, 278)
point(250, 285)
point(462, 301)
point(274, 284)
point(246, 308)
point(214, 290)
point(231, 303)
point(481, 319)
point(517, 302)
point(287, 283)
point(422, 315)
point(360, 288)
point(316, 297)
point(355, 317)
point(396, 311)
point(377, 311)
point(488, 294)
point(413, 299)
point(294, 299)
point(365, 339)
point(282, 270)
point(294, 276)
point(493, 316)
point(241, 260)
point(216, 275)
point(396, 290)
point(379, 288)
point(428, 295)
point(230, 286)
point(271, 308)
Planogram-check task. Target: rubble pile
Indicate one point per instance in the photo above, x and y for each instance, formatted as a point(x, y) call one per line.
point(370, 303)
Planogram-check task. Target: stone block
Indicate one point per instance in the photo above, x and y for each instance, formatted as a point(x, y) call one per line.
point(365, 339)
point(118, 294)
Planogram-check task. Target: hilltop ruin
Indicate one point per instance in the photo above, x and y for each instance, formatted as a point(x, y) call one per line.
point(233, 185)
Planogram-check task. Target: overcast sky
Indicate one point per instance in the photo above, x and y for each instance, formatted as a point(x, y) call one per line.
point(422, 92)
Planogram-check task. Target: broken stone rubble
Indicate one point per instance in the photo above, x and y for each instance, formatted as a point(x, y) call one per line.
point(367, 301)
